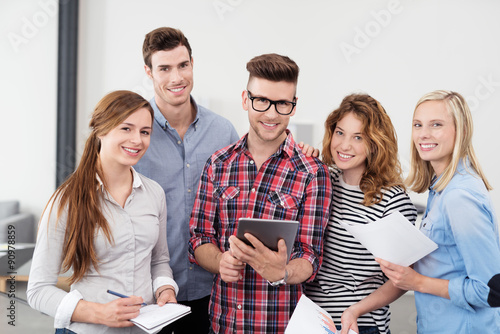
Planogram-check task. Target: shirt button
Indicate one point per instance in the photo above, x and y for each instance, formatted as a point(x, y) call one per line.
point(251, 162)
point(253, 190)
point(239, 306)
point(179, 142)
point(190, 268)
point(224, 196)
point(189, 190)
point(282, 203)
point(187, 165)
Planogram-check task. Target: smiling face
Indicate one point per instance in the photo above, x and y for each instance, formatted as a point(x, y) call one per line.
point(433, 134)
point(268, 127)
point(349, 149)
point(124, 145)
point(172, 75)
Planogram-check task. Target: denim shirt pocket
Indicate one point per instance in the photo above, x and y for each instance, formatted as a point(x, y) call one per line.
point(435, 228)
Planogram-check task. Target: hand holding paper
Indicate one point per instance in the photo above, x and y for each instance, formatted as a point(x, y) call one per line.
point(308, 317)
point(154, 317)
point(393, 238)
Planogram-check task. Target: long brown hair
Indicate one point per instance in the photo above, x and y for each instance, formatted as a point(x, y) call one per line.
point(383, 169)
point(79, 196)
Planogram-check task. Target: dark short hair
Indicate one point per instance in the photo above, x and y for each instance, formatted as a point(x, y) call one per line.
point(273, 67)
point(163, 39)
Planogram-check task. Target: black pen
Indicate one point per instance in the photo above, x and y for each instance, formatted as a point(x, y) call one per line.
point(121, 296)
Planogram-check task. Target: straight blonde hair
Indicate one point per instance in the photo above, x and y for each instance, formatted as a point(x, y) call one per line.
point(421, 172)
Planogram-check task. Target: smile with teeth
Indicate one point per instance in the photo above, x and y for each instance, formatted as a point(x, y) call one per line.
point(427, 146)
point(176, 90)
point(269, 124)
point(131, 150)
point(345, 156)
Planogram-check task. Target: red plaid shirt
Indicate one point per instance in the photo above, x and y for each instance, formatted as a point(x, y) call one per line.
point(288, 186)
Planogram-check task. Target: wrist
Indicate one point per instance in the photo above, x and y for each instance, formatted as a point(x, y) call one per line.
point(280, 281)
point(89, 311)
point(355, 310)
point(159, 292)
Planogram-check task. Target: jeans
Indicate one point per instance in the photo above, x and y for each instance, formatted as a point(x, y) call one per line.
point(367, 330)
point(64, 331)
point(196, 322)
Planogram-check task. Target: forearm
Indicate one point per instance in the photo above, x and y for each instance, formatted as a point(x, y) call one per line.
point(85, 311)
point(208, 257)
point(299, 270)
point(384, 295)
point(433, 286)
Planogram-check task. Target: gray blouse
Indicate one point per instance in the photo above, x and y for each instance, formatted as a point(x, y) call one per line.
point(135, 263)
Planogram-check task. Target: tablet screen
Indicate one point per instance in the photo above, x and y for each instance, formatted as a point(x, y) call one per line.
point(269, 231)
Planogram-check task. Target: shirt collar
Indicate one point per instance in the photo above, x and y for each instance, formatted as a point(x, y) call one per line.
point(136, 180)
point(162, 121)
point(287, 147)
point(462, 167)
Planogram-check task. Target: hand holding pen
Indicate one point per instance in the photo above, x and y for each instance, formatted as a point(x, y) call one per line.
point(116, 313)
point(121, 296)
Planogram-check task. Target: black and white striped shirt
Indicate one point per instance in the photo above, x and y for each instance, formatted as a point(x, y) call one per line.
point(349, 271)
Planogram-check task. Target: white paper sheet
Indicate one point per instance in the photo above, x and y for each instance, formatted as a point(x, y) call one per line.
point(311, 318)
point(393, 238)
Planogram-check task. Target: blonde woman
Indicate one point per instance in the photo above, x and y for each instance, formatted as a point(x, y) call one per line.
point(457, 287)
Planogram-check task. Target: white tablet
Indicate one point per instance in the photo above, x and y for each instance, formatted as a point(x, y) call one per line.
point(269, 231)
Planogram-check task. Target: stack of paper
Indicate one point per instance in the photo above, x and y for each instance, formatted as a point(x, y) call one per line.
point(153, 317)
point(393, 238)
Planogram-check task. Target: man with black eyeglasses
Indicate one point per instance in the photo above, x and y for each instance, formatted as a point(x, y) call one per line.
point(263, 175)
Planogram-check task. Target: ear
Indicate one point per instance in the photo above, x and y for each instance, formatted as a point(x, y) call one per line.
point(147, 69)
point(244, 100)
point(192, 62)
point(294, 109)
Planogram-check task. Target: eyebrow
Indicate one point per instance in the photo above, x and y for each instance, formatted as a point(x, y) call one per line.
point(169, 65)
point(131, 124)
point(265, 97)
point(356, 133)
point(430, 121)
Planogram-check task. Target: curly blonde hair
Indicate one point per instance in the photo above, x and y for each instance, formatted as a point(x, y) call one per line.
point(383, 169)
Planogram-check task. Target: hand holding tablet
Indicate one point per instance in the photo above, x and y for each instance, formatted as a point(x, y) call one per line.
point(269, 232)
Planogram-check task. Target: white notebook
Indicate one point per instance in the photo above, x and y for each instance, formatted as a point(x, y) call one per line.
point(153, 317)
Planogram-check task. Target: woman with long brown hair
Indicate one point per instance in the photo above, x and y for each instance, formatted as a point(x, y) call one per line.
point(360, 146)
point(106, 225)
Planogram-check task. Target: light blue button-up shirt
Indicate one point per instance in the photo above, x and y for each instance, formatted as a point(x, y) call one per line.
point(461, 220)
point(176, 165)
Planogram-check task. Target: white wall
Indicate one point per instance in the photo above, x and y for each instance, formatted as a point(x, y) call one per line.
point(394, 50)
point(28, 84)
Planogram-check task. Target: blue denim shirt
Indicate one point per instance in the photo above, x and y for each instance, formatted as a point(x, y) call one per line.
point(176, 165)
point(461, 220)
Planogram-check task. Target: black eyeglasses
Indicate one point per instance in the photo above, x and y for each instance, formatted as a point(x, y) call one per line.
point(262, 104)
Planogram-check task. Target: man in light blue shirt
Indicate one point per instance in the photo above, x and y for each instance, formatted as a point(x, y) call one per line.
point(183, 138)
